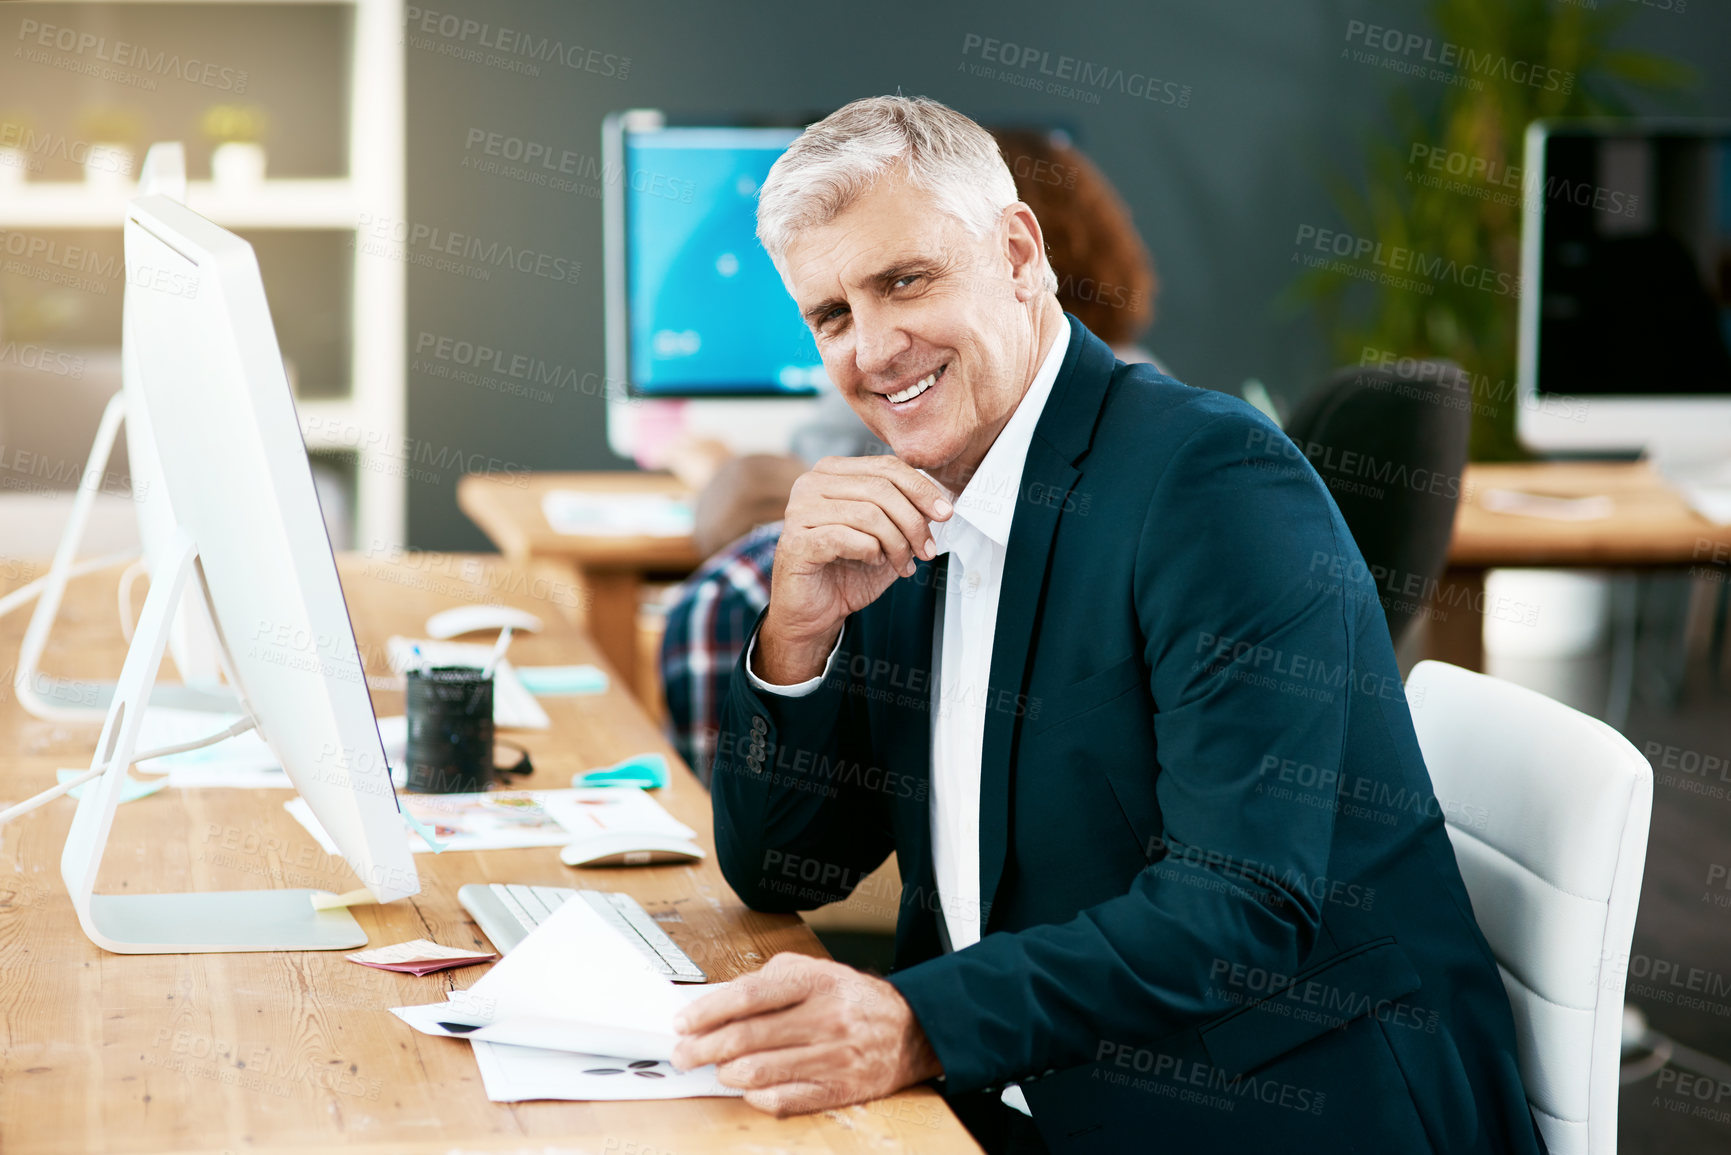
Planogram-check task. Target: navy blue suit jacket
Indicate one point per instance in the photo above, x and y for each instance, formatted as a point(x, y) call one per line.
point(1218, 901)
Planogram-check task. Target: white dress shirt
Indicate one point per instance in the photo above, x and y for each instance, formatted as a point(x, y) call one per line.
point(977, 538)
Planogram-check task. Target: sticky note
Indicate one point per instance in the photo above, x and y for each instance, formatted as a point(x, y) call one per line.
point(646, 770)
point(130, 789)
point(546, 680)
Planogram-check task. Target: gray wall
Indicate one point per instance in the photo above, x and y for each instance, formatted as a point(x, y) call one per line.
point(1217, 187)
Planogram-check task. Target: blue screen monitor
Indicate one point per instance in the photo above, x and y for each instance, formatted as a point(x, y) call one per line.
point(692, 294)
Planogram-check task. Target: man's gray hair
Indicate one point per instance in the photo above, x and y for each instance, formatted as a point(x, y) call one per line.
point(838, 159)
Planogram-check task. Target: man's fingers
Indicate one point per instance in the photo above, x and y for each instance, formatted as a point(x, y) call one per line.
point(919, 489)
point(848, 543)
point(869, 517)
point(777, 985)
point(837, 495)
point(772, 1068)
point(795, 1099)
point(753, 1035)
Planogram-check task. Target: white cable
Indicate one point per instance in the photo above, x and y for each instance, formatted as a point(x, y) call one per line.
point(239, 727)
point(30, 591)
point(127, 577)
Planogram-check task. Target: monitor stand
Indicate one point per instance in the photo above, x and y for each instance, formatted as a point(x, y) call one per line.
point(63, 699)
point(191, 923)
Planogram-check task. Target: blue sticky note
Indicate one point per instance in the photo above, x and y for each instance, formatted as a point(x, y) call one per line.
point(646, 770)
point(130, 789)
point(425, 831)
point(562, 679)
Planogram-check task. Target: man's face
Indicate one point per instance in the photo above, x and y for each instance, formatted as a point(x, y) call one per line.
point(902, 298)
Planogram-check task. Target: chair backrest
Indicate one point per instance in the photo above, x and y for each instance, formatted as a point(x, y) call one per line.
point(1548, 811)
point(1391, 447)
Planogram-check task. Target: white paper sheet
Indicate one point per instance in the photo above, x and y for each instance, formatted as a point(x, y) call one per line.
point(242, 762)
point(574, 984)
point(597, 514)
point(515, 1074)
point(512, 819)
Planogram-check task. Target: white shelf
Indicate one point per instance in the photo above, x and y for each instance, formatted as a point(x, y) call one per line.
point(273, 204)
point(375, 412)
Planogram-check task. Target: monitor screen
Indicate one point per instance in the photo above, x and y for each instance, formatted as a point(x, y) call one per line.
point(708, 315)
point(1635, 261)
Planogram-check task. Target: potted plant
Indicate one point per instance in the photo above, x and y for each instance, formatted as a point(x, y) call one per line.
point(16, 127)
point(238, 160)
point(113, 133)
point(1475, 329)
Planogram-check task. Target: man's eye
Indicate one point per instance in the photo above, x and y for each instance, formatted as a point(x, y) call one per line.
point(907, 279)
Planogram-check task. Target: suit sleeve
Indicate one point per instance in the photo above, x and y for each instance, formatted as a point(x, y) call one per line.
point(801, 816)
point(1222, 598)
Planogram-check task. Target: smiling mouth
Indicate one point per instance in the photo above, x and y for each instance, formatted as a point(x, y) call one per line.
point(917, 388)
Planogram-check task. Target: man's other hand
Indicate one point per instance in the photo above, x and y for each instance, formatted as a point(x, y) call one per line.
point(853, 526)
point(806, 1034)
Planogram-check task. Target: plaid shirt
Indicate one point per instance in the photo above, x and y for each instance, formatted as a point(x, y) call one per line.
point(708, 624)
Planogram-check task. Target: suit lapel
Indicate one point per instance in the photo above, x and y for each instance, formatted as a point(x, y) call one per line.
point(1024, 582)
point(1061, 438)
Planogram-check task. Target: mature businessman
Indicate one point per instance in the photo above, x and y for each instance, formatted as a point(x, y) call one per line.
point(1101, 664)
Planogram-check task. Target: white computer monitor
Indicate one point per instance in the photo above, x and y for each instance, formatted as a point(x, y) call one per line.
point(696, 315)
point(250, 541)
point(1625, 313)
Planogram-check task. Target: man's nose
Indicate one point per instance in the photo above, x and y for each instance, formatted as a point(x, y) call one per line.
point(877, 343)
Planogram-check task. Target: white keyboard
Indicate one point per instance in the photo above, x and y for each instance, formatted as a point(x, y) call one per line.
point(507, 912)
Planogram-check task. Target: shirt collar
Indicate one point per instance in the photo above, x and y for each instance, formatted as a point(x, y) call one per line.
point(988, 502)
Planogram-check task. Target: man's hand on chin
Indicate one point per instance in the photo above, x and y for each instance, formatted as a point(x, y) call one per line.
point(804, 1034)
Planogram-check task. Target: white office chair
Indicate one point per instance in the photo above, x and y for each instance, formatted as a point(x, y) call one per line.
point(1548, 811)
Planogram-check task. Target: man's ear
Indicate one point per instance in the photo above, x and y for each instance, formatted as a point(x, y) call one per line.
point(1025, 246)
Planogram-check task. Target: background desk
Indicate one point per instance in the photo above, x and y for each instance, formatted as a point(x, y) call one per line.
point(297, 1051)
point(608, 570)
point(1650, 528)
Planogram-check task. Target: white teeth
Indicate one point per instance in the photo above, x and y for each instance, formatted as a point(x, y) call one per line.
point(914, 390)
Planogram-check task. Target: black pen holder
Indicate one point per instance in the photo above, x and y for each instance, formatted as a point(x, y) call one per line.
point(450, 712)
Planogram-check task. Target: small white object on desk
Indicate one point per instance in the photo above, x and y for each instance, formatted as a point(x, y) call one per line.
point(592, 513)
point(1702, 478)
point(1545, 505)
point(625, 848)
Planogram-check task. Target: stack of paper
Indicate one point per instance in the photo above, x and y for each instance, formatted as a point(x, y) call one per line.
point(574, 1012)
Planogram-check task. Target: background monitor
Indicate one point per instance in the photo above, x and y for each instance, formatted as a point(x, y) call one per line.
point(696, 312)
point(1625, 337)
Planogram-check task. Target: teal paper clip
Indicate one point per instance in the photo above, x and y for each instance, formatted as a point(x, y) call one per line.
point(425, 831)
point(646, 770)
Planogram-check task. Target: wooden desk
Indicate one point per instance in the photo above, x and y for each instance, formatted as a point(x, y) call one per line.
point(297, 1051)
point(1650, 527)
point(608, 570)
